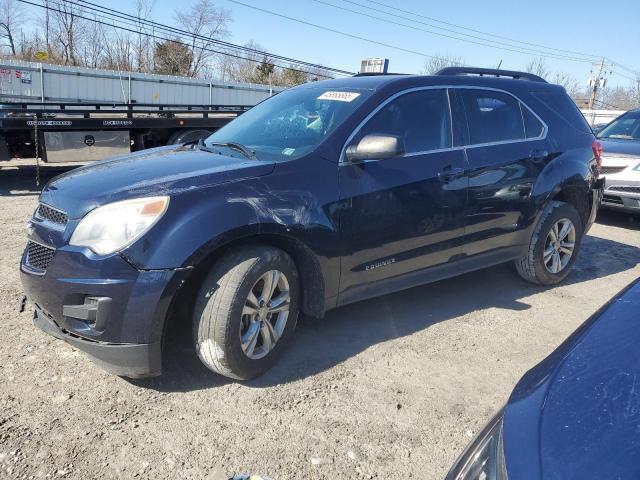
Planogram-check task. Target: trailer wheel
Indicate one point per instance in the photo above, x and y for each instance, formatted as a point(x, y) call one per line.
point(187, 136)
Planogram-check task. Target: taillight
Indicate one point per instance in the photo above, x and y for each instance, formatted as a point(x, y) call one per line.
point(597, 148)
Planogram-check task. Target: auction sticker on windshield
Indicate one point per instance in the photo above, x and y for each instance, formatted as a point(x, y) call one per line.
point(339, 96)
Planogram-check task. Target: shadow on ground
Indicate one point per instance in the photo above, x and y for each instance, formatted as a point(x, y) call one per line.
point(345, 332)
point(12, 185)
point(616, 218)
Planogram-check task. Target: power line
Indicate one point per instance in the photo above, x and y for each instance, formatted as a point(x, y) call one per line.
point(546, 47)
point(630, 70)
point(345, 34)
point(176, 41)
point(625, 76)
point(395, 8)
point(497, 45)
point(137, 20)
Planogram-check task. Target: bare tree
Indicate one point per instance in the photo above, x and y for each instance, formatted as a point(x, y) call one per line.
point(92, 49)
point(206, 23)
point(538, 67)
point(242, 66)
point(618, 98)
point(569, 82)
point(118, 51)
point(68, 30)
point(12, 17)
point(438, 62)
point(144, 42)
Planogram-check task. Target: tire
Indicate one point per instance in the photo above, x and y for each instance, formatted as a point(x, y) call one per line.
point(220, 316)
point(537, 266)
point(187, 136)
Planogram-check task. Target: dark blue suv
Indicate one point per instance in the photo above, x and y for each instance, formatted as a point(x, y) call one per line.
point(323, 195)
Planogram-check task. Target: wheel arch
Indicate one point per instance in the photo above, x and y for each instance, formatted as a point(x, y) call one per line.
point(578, 196)
point(312, 284)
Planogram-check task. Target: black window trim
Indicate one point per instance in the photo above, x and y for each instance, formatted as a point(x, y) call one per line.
point(356, 130)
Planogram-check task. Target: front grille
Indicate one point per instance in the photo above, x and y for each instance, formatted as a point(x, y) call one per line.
point(48, 213)
point(625, 188)
point(39, 256)
point(612, 199)
point(610, 170)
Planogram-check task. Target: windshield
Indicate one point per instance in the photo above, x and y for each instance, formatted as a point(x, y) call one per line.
point(290, 124)
point(626, 127)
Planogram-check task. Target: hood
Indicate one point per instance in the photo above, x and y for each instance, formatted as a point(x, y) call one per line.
point(620, 147)
point(577, 414)
point(158, 171)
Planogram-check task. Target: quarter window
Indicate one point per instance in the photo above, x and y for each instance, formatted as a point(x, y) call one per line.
point(532, 126)
point(492, 116)
point(420, 118)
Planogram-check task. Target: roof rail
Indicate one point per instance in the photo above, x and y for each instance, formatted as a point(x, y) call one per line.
point(376, 74)
point(490, 72)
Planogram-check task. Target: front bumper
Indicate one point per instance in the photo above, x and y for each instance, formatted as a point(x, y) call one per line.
point(126, 360)
point(622, 192)
point(125, 338)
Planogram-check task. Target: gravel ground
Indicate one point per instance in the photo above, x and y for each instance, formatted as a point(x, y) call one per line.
point(388, 388)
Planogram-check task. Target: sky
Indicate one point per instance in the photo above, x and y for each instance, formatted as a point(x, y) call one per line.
point(587, 27)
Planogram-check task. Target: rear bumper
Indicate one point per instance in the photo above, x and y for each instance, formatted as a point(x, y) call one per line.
point(124, 359)
point(596, 201)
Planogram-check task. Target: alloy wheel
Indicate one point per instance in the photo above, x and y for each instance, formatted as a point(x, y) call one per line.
point(265, 314)
point(559, 245)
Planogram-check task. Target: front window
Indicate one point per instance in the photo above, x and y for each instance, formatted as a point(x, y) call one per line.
point(626, 127)
point(421, 119)
point(292, 123)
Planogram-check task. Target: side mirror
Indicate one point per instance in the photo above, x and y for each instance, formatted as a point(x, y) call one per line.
point(376, 147)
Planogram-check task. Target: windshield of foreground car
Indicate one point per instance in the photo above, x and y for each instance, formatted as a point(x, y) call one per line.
point(626, 127)
point(291, 123)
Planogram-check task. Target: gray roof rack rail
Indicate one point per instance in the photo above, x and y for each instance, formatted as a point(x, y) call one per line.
point(492, 72)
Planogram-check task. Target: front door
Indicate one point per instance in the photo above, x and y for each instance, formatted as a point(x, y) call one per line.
point(402, 215)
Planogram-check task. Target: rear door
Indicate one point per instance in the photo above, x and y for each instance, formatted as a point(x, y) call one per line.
point(401, 215)
point(506, 148)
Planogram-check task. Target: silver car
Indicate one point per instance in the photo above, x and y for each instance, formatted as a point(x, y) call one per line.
point(621, 162)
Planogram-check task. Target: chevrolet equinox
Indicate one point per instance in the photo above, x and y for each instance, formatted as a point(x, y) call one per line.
point(323, 195)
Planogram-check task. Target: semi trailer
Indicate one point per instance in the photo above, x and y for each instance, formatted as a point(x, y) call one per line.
point(74, 114)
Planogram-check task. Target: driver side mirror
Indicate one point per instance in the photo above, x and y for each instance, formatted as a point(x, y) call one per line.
point(375, 147)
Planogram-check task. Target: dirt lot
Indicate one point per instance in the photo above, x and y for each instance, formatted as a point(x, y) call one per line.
point(389, 388)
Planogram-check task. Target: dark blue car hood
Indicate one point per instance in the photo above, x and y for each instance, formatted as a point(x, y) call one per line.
point(577, 414)
point(621, 147)
point(158, 171)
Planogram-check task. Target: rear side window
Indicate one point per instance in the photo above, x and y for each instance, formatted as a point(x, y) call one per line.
point(492, 116)
point(420, 118)
point(562, 105)
point(532, 126)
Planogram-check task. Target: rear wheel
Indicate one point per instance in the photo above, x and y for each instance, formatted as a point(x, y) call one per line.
point(553, 246)
point(246, 312)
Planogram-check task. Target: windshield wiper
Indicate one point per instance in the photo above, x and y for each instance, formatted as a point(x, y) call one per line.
point(238, 147)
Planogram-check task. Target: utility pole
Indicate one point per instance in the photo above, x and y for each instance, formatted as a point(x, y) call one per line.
point(595, 83)
point(46, 27)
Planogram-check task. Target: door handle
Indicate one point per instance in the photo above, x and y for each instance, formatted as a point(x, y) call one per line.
point(449, 173)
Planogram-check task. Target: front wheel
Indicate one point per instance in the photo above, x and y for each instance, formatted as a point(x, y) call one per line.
point(553, 246)
point(246, 312)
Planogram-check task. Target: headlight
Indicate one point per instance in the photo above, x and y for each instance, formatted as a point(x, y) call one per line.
point(114, 226)
point(483, 459)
